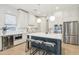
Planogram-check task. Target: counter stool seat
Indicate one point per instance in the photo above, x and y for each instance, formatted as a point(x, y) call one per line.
point(49, 44)
point(37, 42)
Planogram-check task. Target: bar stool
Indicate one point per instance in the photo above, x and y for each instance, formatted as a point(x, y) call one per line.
point(37, 42)
point(47, 45)
point(29, 45)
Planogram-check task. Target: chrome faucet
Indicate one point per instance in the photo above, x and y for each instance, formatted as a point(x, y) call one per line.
point(4, 29)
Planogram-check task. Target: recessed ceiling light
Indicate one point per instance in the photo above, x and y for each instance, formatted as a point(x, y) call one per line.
point(57, 7)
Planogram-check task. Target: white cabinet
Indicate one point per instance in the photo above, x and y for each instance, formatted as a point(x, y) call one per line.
point(32, 20)
point(2, 17)
point(22, 19)
point(43, 26)
point(25, 18)
point(0, 43)
point(1, 22)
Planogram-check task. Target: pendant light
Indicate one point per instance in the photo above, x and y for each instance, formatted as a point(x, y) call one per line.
point(52, 18)
point(38, 20)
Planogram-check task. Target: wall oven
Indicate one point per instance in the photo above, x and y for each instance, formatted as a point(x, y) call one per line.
point(18, 37)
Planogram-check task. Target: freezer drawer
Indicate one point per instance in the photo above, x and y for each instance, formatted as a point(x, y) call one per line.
point(73, 40)
point(78, 40)
point(66, 39)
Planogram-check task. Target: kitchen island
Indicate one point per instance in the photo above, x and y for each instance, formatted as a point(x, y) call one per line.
point(50, 38)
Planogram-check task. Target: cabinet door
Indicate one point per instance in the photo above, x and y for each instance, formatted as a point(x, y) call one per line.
point(22, 20)
point(32, 20)
point(10, 41)
point(7, 42)
point(4, 43)
point(0, 43)
point(1, 20)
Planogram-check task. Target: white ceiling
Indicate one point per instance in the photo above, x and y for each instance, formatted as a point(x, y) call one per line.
point(43, 9)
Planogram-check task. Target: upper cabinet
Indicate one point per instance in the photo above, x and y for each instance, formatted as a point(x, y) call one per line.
point(22, 19)
point(32, 20)
point(2, 17)
point(25, 19)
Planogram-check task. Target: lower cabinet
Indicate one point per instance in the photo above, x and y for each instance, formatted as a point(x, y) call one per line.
point(0, 43)
point(7, 42)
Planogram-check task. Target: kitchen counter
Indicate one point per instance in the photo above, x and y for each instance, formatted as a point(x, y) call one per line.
point(51, 35)
point(11, 33)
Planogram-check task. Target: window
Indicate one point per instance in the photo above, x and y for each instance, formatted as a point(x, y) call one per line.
point(10, 22)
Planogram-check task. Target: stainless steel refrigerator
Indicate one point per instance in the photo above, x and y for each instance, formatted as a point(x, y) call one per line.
point(71, 32)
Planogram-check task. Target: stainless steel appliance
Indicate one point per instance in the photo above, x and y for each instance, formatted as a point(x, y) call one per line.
point(18, 37)
point(71, 32)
